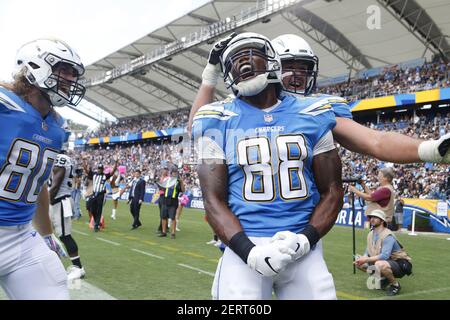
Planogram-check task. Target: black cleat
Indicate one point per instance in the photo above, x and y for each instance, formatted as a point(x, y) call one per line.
point(393, 290)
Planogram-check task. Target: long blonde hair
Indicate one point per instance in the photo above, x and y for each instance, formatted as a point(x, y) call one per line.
point(20, 86)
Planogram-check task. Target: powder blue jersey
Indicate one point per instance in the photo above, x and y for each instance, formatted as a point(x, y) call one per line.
point(339, 105)
point(269, 157)
point(29, 145)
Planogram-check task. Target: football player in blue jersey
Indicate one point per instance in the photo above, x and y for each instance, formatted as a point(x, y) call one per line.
point(270, 177)
point(46, 75)
point(300, 70)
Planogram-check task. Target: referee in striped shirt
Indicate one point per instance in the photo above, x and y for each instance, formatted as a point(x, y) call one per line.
point(99, 180)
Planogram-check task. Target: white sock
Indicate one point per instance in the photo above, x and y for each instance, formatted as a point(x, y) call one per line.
point(169, 223)
point(113, 212)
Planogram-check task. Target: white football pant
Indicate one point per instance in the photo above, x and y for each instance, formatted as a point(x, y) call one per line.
point(29, 270)
point(304, 279)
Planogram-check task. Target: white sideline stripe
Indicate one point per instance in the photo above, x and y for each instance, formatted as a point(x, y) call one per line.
point(414, 293)
point(76, 231)
point(86, 291)
point(89, 292)
point(196, 269)
point(107, 241)
point(148, 254)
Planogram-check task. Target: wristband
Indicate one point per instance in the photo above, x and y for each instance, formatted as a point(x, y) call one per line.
point(311, 233)
point(241, 245)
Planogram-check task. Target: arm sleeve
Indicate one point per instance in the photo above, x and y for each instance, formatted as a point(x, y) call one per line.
point(342, 110)
point(386, 250)
point(325, 144)
point(380, 194)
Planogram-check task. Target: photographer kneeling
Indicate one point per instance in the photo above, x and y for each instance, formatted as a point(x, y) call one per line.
point(385, 252)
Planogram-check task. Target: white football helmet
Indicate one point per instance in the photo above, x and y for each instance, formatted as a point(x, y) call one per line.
point(39, 58)
point(291, 47)
point(256, 45)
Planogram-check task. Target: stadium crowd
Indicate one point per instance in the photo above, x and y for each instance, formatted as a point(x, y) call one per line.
point(393, 80)
point(412, 180)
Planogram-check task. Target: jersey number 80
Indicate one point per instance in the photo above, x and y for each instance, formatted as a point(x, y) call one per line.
point(19, 171)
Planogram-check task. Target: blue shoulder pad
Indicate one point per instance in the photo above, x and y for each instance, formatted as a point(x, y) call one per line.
point(339, 105)
point(7, 103)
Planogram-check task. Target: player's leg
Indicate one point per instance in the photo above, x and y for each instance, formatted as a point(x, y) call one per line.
point(172, 213)
point(306, 279)
point(35, 272)
point(177, 216)
point(234, 280)
point(164, 218)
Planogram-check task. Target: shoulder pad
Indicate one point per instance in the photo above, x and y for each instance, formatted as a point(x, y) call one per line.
point(8, 104)
point(215, 110)
point(317, 107)
point(62, 160)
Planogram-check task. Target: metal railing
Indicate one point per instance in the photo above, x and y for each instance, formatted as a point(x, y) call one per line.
point(263, 9)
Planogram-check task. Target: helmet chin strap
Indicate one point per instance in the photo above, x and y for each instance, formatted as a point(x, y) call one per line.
point(251, 87)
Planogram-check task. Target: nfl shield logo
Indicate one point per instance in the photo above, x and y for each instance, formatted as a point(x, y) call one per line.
point(268, 118)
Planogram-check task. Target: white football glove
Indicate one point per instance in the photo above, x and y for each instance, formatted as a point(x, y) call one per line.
point(211, 73)
point(298, 243)
point(436, 151)
point(54, 245)
point(269, 259)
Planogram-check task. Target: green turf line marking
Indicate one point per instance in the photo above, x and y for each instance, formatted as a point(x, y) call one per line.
point(349, 296)
point(148, 254)
point(400, 295)
point(108, 241)
point(196, 269)
point(149, 242)
point(193, 254)
point(131, 238)
point(79, 232)
point(170, 248)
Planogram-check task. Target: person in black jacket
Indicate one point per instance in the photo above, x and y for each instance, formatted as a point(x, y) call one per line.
point(136, 197)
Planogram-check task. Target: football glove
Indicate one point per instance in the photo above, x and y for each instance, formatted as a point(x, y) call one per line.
point(54, 245)
point(298, 243)
point(269, 259)
point(436, 151)
point(211, 73)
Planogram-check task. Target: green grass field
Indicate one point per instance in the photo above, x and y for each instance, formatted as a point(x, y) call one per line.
point(136, 264)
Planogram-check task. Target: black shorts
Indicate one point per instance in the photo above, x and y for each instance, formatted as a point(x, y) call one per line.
point(400, 267)
point(89, 204)
point(168, 212)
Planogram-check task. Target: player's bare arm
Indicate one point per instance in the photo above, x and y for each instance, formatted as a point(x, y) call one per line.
point(327, 170)
point(41, 219)
point(57, 179)
point(204, 96)
point(214, 182)
point(383, 145)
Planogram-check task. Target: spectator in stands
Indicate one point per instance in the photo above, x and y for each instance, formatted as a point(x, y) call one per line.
point(384, 252)
point(380, 199)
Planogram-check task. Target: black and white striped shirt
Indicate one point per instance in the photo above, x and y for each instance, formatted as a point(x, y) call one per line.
point(98, 181)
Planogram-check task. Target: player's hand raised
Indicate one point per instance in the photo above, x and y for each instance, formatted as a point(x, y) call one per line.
point(269, 259)
point(436, 151)
point(211, 73)
point(298, 243)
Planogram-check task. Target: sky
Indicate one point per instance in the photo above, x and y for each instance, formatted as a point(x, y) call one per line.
point(94, 28)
